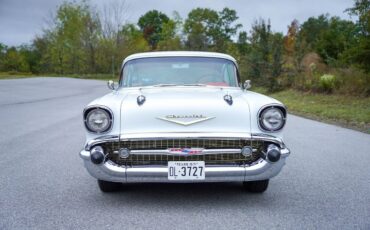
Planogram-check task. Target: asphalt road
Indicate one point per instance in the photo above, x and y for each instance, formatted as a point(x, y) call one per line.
point(43, 184)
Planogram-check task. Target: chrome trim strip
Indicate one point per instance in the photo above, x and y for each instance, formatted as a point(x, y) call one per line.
point(164, 136)
point(167, 152)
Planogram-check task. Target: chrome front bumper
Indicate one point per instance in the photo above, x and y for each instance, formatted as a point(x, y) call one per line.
point(110, 171)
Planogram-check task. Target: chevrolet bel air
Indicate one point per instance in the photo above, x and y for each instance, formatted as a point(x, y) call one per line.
point(183, 117)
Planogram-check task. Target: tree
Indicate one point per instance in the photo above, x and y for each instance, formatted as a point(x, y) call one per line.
point(242, 43)
point(31, 56)
point(199, 27)
point(133, 40)
point(260, 50)
point(171, 39)
point(338, 37)
point(151, 25)
point(276, 61)
point(360, 53)
point(3, 49)
point(226, 28)
point(290, 38)
point(330, 37)
point(14, 61)
point(208, 28)
point(361, 9)
point(72, 38)
point(41, 45)
point(310, 31)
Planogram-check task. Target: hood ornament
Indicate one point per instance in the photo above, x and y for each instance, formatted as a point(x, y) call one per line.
point(229, 99)
point(140, 99)
point(185, 119)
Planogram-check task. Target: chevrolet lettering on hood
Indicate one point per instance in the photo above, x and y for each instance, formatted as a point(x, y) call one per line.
point(178, 117)
point(185, 119)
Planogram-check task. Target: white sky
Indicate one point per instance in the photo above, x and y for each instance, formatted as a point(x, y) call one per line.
point(21, 20)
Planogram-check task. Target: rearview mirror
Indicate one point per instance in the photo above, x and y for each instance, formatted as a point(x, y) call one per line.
point(247, 84)
point(111, 85)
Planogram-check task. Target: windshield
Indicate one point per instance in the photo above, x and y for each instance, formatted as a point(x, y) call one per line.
point(164, 71)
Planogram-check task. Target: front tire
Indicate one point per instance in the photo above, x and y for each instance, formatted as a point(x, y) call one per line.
point(258, 186)
point(107, 186)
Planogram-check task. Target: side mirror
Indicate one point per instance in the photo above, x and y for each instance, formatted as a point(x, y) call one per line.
point(111, 85)
point(247, 84)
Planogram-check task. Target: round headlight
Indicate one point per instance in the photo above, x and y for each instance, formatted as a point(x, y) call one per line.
point(98, 120)
point(272, 119)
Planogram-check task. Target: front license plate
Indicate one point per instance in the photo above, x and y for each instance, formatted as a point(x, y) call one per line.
point(186, 170)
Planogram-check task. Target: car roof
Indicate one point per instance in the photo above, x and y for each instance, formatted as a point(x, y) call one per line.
point(178, 54)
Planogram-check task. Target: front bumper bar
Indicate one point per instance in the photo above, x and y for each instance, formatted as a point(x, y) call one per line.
point(109, 171)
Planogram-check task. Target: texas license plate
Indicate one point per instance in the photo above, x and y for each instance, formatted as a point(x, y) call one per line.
point(186, 170)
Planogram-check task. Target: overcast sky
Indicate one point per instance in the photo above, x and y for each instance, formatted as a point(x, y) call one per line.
point(21, 20)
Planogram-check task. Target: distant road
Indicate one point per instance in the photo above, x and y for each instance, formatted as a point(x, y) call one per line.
point(43, 184)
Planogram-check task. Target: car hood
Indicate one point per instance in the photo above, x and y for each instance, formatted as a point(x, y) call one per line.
point(184, 110)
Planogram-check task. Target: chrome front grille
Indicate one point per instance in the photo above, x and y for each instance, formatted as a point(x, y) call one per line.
point(184, 143)
point(162, 144)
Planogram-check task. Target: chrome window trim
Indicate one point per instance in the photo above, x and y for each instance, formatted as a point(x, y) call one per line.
point(272, 106)
point(98, 107)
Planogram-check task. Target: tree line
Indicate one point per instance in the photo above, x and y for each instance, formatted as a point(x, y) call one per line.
point(323, 53)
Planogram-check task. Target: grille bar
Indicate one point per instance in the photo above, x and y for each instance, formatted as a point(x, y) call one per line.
point(167, 152)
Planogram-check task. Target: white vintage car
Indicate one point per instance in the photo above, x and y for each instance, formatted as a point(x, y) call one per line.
point(183, 117)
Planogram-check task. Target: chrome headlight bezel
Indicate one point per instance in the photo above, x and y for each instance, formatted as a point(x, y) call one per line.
point(106, 110)
point(263, 111)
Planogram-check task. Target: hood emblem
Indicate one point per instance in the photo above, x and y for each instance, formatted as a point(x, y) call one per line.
point(185, 119)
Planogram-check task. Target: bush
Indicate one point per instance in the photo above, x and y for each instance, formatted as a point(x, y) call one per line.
point(327, 83)
point(352, 81)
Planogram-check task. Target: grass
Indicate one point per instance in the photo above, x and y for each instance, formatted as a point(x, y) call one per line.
point(348, 111)
point(10, 75)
